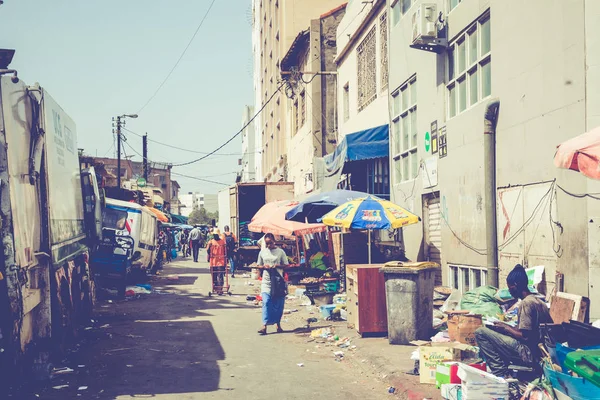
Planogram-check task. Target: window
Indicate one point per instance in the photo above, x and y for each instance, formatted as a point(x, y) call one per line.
point(396, 13)
point(466, 277)
point(404, 132)
point(453, 3)
point(114, 219)
point(406, 5)
point(366, 69)
point(346, 102)
point(469, 68)
point(302, 109)
point(383, 47)
point(295, 117)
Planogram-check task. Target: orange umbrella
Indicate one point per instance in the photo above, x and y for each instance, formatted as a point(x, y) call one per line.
point(271, 219)
point(159, 214)
point(581, 153)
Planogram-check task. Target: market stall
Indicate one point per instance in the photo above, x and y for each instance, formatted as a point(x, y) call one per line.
point(304, 243)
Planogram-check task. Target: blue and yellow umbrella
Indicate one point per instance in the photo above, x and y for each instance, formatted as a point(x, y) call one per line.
point(370, 213)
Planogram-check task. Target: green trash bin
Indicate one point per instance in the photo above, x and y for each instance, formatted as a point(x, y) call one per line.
point(409, 296)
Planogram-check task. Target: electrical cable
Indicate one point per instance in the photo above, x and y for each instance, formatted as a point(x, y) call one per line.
point(482, 252)
point(180, 57)
point(200, 179)
point(579, 196)
point(526, 223)
point(237, 134)
point(184, 149)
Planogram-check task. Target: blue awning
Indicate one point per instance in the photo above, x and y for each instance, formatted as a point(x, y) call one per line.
point(363, 145)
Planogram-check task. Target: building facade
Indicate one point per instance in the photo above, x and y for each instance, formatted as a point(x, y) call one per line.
point(276, 25)
point(194, 201)
point(249, 149)
point(360, 160)
point(159, 175)
point(544, 70)
point(309, 69)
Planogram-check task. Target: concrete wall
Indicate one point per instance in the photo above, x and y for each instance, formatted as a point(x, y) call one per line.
point(249, 148)
point(318, 134)
point(280, 22)
point(376, 113)
point(540, 73)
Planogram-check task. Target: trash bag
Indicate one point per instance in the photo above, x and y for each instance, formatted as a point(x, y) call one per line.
point(481, 301)
point(173, 254)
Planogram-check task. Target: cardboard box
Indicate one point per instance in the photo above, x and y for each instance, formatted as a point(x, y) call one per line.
point(480, 385)
point(462, 326)
point(566, 306)
point(432, 354)
point(451, 391)
point(447, 372)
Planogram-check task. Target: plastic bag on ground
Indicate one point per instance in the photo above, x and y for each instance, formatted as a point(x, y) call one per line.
point(481, 300)
point(452, 303)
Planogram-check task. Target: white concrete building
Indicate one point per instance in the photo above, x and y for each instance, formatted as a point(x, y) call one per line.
point(541, 60)
point(193, 200)
point(276, 25)
point(257, 44)
point(309, 68)
point(249, 149)
point(362, 42)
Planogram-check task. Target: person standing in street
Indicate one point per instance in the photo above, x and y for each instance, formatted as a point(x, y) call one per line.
point(231, 242)
point(273, 288)
point(217, 258)
point(195, 237)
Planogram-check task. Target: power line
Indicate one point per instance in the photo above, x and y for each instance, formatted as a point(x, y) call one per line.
point(230, 139)
point(238, 133)
point(200, 179)
point(184, 149)
point(180, 57)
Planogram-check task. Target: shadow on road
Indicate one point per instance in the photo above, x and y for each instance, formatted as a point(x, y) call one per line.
point(147, 346)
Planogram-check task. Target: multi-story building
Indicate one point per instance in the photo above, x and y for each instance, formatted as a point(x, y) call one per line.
point(159, 174)
point(276, 25)
point(249, 150)
point(540, 61)
point(360, 160)
point(310, 70)
point(194, 201)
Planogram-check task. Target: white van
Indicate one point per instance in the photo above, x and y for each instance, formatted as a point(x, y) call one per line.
point(132, 219)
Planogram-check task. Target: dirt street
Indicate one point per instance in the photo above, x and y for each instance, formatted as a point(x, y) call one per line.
point(181, 344)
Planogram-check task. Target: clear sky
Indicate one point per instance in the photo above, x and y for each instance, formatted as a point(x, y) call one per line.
point(99, 59)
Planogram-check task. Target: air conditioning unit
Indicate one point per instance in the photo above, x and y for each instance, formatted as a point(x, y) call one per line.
point(424, 23)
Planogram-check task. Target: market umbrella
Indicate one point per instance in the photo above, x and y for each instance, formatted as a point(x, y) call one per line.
point(370, 213)
point(159, 214)
point(581, 153)
point(271, 219)
point(314, 207)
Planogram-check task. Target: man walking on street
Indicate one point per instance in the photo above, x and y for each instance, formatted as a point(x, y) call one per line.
point(217, 258)
point(195, 240)
point(230, 241)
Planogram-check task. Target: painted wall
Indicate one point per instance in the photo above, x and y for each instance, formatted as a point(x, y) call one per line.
point(376, 113)
point(541, 77)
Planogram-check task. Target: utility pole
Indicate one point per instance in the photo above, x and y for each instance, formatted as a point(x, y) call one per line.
point(119, 151)
point(120, 124)
point(145, 155)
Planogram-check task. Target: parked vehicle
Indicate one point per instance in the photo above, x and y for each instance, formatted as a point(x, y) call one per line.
point(46, 287)
point(131, 219)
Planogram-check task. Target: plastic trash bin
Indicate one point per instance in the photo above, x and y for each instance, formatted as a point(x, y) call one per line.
point(409, 297)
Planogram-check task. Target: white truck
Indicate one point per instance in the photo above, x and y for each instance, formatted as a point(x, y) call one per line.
point(45, 281)
point(245, 199)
